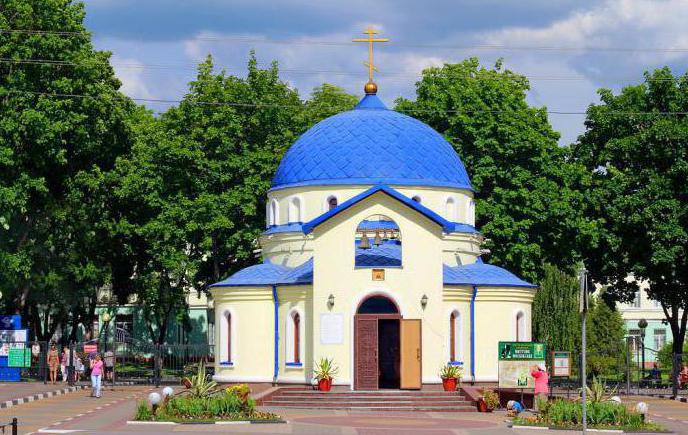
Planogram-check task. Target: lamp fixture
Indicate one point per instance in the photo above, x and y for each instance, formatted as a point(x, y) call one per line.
point(330, 301)
point(424, 301)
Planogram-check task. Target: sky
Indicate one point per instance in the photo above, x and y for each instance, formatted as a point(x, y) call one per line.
point(567, 48)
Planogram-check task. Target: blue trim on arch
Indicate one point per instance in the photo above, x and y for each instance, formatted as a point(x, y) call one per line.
point(445, 224)
point(475, 294)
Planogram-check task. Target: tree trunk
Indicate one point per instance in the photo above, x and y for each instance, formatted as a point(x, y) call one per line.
point(678, 332)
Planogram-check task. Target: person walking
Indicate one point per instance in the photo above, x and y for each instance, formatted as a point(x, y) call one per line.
point(53, 362)
point(541, 385)
point(96, 376)
point(109, 360)
point(64, 364)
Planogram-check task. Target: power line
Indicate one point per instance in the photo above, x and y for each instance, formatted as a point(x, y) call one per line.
point(389, 75)
point(286, 106)
point(253, 40)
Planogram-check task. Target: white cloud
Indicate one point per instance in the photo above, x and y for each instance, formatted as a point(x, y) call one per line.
point(132, 75)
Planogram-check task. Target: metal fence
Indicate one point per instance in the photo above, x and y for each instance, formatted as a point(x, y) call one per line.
point(132, 361)
point(623, 372)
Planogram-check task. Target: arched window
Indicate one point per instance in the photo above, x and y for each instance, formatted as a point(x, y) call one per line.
point(295, 210)
point(332, 202)
point(454, 336)
point(378, 243)
point(293, 338)
point(417, 199)
point(451, 209)
point(470, 213)
point(273, 213)
point(520, 326)
point(226, 339)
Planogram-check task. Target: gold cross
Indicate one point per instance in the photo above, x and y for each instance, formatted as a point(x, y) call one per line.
point(370, 31)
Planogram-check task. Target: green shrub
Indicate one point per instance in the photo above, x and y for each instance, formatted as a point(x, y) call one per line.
point(566, 413)
point(143, 412)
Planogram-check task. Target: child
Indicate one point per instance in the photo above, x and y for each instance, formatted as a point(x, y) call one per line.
point(79, 368)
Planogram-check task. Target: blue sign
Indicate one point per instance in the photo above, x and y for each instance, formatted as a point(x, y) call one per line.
point(10, 321)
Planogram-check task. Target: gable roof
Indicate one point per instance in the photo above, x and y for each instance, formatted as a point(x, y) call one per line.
point(445, 224)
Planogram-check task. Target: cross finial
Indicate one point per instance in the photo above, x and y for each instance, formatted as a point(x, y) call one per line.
point(370, 87)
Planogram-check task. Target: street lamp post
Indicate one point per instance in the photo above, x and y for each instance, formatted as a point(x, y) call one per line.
point(106, 326)
point(642, 324)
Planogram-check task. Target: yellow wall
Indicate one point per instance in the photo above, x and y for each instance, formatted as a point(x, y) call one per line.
point(298, 298)
point(252, 333)
point(421, 273)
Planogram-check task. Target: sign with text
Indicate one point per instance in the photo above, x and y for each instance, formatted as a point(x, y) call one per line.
point(331, 328)
point(90, 348)
point(19, 357)
point(516, 359)
point(561, 363)
point(521, 350)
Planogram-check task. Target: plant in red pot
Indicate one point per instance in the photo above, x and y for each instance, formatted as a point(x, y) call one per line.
point(324, 371)
point(451, 376)
point(489, 401)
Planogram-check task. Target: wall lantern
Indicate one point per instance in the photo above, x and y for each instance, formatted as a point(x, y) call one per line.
point(424, 301)
point(330, 301)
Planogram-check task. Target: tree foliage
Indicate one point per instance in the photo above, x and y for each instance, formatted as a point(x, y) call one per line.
point(636, 147)
point(605, 332)
point(48, 249)
point(555, 316)
point(528, 206)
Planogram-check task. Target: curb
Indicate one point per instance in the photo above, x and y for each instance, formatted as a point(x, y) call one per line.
point(172, 423)
point(40, 396)
point(669, 397)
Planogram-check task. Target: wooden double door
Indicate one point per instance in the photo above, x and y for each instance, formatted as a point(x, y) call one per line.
point(387, 352)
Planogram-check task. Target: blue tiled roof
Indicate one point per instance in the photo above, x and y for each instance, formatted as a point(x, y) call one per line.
point(482, 274)
point(387, 254)
point(286, 228)
point(260, 274)
point(371, 145)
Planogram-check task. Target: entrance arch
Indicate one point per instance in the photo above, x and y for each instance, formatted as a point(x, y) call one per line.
point(377, 343)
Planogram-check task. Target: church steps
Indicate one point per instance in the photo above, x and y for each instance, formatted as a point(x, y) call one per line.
point(380, 400)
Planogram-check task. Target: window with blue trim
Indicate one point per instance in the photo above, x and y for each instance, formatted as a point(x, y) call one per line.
point(293, 342)
point(454, 336)
point(226, 339)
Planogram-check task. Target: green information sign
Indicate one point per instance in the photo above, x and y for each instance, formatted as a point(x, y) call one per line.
point(521, 350)
point(19, 357)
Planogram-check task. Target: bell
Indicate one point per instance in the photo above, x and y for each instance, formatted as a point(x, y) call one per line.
point(365, 243)
point(378, 239)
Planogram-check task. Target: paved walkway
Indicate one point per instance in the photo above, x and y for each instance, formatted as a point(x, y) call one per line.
point(16, 390)
point(79, 413)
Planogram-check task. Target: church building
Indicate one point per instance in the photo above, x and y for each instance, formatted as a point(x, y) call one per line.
point(371, 258)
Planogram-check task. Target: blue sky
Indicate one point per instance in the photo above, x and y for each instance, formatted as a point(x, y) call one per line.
point(157, 43)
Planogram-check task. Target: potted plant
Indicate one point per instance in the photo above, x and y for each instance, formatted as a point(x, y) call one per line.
point(450, 374)
point(489, 401)
point(324, 372)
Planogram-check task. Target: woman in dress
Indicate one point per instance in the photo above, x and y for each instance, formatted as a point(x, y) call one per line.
point(53, 362)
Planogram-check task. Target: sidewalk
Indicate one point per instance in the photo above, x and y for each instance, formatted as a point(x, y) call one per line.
point(13, 393)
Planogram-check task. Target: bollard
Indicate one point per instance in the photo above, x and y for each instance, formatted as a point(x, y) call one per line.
point(15, 426)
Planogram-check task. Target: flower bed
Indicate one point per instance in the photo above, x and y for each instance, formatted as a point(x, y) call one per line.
point(564, 414)
point(202, 402)
point(222, 406)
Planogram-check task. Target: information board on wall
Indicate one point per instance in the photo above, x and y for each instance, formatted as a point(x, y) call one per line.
point(516, 359)
point(331, 328)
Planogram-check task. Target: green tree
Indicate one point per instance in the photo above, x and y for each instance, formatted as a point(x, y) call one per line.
point(605, 332)
point(46, 142)
point(528, 204)
point(327, 100)
point(556, 321)
point(635, 145)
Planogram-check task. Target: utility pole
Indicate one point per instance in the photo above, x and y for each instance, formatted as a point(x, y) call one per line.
point(583, 312)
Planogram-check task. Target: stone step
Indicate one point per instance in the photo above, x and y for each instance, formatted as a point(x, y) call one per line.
point(418, 408)
point(377, 392)
point(367, 403)
point(327, 396)
point(369, 399)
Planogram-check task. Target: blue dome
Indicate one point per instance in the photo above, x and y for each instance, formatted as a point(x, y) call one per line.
point(371, 145)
